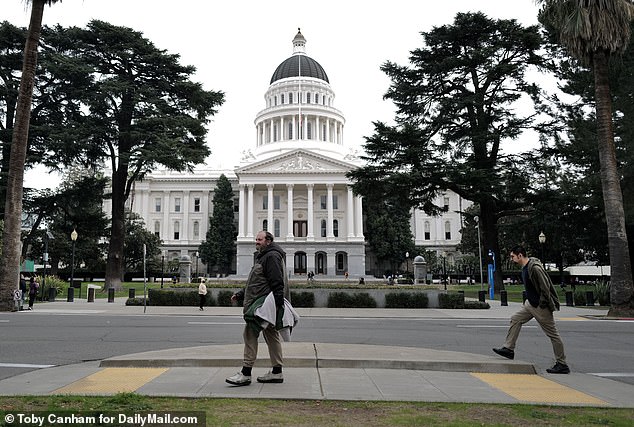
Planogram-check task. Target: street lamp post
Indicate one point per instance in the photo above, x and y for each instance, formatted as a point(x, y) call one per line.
point(407, 263)
point(444, 268)
point(73, 237)
point(542, 240)
point(196, 265)
point(477, 219)
point(162, 267)
point(47, 236)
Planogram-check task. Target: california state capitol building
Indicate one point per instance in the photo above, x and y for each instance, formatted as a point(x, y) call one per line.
point(292, 182)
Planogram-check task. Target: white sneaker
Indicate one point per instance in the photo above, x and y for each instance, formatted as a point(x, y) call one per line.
point(239, 379)
point(270, 377)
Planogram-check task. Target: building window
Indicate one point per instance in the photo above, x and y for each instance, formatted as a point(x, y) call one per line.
point(265, 225)
point(275, 101)
point(323, 132)
point(323, 228)
point(157, 205)
point(323, 203)
point(447, 230)
point(316, 98)
point(275, 133)
point(276, 228)
point(300, 228)
point(427, 231)
point(265, 202)
point(196, 230)
point(177, 204)
point(309, 130)
point(196, 204)
point(290, 130)
point(177, 227)
point(282, 98)
point(236, 205)
point(335, 202)
point(335, 228)
point(276, 202)
point(290, 98)
point(341, 261)
point(446, 203)
point(308, 98)
point(157, 229)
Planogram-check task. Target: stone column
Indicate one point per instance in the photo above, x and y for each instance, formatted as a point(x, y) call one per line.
point(241, 212)
point(329, 234)
point(311, 214)
point(166, 208)
point(269, 207)
point(185, 232)
point(359, 221)
point(350, 211)
point(289, 199)
point(250, 211)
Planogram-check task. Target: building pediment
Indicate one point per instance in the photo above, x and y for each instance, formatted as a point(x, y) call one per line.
point(296, 162)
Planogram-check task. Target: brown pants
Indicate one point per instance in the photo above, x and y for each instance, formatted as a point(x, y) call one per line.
point(273, 341)
point(547, 322)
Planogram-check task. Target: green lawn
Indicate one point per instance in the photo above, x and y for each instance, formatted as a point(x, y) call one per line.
point(312, 413)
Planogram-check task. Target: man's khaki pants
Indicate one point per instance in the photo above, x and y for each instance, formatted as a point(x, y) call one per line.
point(547, 322)
point(273, 341)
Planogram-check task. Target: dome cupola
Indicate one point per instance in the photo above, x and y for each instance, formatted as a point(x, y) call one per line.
point(299, 64)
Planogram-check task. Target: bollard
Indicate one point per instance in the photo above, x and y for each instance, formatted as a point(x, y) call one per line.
point(524, 298)
point(481, 295)
point(589, 298)
point(504, 298)
point(131, 293)
point(71, 295)
point(52, 293)
point(570, 301)
point(91, 294)
point(110, 294)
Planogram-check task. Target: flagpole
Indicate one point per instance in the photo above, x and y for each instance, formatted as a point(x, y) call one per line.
point(299, 63)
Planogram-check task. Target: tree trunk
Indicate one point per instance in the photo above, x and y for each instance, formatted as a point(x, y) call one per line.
point(490, 243)
point(10, 263)
point(114, 264)
point(621, 287)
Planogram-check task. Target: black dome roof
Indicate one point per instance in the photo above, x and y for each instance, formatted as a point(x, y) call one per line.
point(290, 68)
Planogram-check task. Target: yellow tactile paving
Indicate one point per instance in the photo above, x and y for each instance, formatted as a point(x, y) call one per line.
point(112, 380)
point(533, 388)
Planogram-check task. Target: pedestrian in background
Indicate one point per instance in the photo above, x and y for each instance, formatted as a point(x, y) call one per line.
point(23, 286)
point(33, 287)
point(541, 302)
point(202, 293)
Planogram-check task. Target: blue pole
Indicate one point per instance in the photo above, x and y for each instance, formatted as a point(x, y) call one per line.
point(491, 280)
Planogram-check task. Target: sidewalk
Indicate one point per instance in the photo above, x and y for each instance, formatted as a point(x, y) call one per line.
point(322, 370)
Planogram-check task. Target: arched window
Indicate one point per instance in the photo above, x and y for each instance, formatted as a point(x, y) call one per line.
point(447, 230)
point(196, 230)
point(276, 228)
point(323, 228)
point(335, 227)
point(427, 231)
point(282, 98)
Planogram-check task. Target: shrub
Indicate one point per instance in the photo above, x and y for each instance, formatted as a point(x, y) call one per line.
point(177, 297)
point(603, 293)
point(451, 300)
point(303, 299)
point(357, 300)
point(134, 301)
point(474, 305)
point(579, 297)
point(406, 300)
point(224, 298)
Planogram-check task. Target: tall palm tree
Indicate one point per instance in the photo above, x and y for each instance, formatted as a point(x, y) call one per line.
point(10, 263)
point(593, 31)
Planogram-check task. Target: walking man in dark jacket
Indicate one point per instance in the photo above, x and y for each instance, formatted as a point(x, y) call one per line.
point(541, 301)
point(267, 275)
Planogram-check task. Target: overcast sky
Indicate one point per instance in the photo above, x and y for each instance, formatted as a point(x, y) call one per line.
point(237, 45)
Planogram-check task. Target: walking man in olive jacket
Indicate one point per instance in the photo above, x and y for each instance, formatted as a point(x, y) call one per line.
point(267, 275)
point(541, 302)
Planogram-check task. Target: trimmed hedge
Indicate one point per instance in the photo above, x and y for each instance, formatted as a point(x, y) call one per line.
point(303, 299)
point(451, 300)
point(224, 298)
point(177, 297)
point(406, 300)
point(357, 300)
